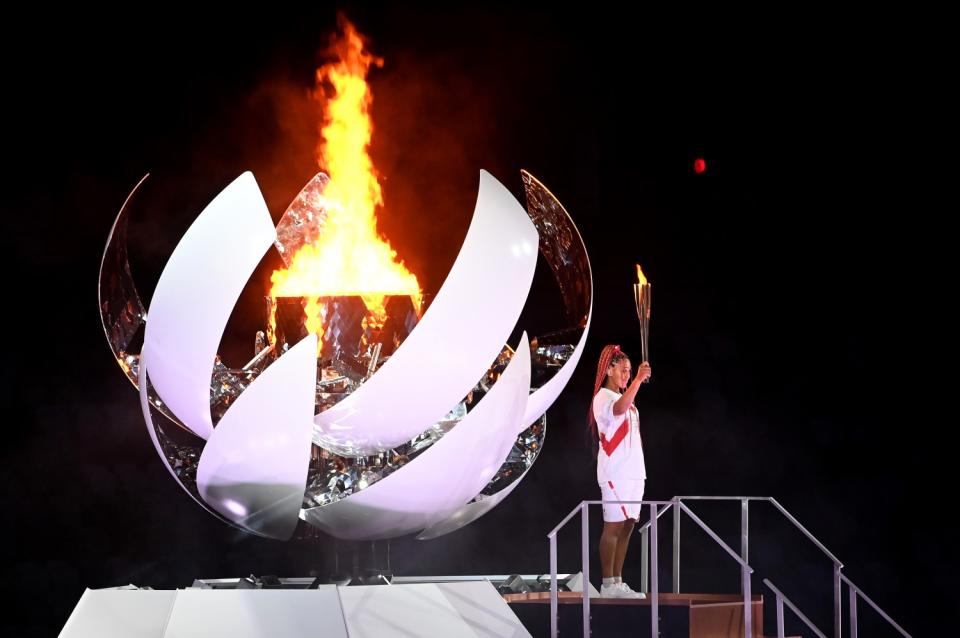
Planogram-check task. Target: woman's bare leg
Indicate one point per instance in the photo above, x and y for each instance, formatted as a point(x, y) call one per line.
point(623, 540)
point(609, 541)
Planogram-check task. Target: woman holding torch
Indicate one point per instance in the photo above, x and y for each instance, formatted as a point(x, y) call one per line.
point(621, 472)
point(620, 468)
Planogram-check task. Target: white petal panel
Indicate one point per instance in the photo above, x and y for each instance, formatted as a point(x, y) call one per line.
point(468, 513)
point(461, 332)
point(450, 473)
point(196, 294)
point(254, 467)
point(544, 396)
point(143, 379)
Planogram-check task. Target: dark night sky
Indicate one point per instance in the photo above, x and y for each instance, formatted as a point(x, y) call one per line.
point(798, 320)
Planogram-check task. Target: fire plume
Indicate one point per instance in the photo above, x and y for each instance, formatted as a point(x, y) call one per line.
point(349, 256)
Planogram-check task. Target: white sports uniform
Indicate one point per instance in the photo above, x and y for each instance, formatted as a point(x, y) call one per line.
point(621, 472)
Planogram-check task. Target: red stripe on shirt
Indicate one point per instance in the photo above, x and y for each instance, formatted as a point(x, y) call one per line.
point(609, 445)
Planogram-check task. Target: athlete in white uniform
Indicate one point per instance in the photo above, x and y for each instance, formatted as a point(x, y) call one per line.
point(621, 473)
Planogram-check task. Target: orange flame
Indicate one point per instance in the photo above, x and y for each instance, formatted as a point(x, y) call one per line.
point(640, 278)
point(349, 257)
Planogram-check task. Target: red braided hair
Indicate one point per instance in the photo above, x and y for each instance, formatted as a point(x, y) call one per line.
point(610, 355)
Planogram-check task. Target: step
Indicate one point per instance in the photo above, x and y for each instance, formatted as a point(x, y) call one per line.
point(693, 615)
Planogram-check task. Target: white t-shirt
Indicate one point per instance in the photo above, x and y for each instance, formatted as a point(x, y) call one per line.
point(621, 451)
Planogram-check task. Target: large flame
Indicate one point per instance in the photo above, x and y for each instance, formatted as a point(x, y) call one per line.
point(348, 257)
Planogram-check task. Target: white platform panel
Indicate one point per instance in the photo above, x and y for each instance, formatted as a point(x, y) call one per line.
point(257, 613)
point(113, 613)
point(471, 609)
point(429, 610)
point(484, 610)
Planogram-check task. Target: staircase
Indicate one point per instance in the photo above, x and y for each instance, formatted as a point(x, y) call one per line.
point(694, 615)
point(675, 613)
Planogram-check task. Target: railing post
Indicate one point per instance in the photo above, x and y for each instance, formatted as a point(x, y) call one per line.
point(654, 575)
point(585, 565)
point(745, 530)
point(553, 587)
point(853, 612)
point(747, 602)
point(780, 631)
point(783, 600)
point(645, 561)
point(837, 608)
point(676, 545)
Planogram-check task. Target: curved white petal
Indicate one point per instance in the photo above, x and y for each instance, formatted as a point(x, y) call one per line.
point(544, 396)
point(196, 294)
point(143, 381)
point(562, 246)
point(254, 467)
point(461, 332)
point(452, 471)
point(468, 513)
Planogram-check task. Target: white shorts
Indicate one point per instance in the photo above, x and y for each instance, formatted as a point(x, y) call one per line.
point(621, 490)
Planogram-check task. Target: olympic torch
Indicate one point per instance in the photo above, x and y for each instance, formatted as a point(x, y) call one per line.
point(641, 294)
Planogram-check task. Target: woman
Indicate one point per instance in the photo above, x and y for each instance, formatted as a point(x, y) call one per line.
point(620, 469)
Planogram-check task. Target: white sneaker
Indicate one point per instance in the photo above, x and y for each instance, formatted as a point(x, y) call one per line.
point(632, 594)
point(614, 591)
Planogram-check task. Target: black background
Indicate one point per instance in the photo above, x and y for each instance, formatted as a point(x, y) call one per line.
point(799, 320)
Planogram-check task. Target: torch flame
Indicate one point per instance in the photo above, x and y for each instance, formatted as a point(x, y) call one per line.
point(640, 278)
point(348, 257)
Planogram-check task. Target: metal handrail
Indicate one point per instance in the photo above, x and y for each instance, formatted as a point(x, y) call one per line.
point(768, 499)
point(854, 593)
point(781, 599)
point(655, 513)
point(838, 576)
